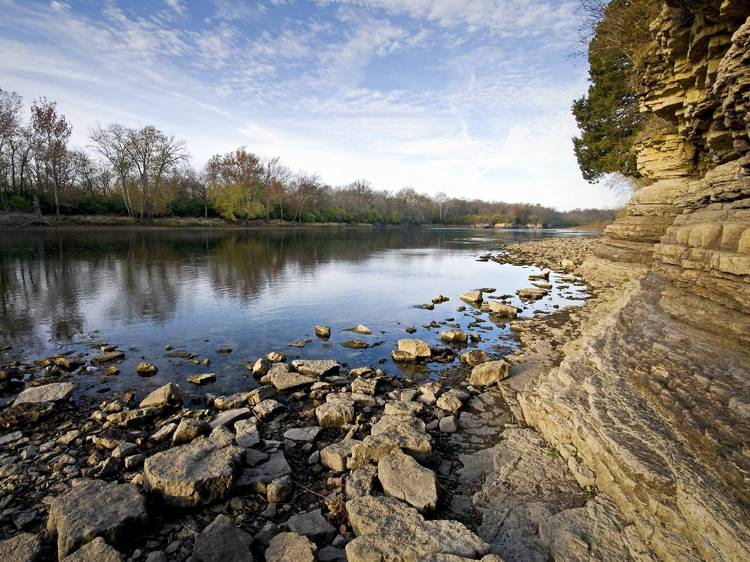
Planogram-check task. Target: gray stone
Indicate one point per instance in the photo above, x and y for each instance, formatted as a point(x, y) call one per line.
point(474, 357)
point(304, 434)
point(259, 476)
point(267, 408)
point(93, 509)
point(48, 393)
point(384, 526)
point(448, 424)
point(313, 525)
point(223, 541)
point(404, 478)
point(361, 481)
point(95, 551)
point(21, 548)
point(287, 381)
point(247, 433)
point(198, 473)
point(188, 429)
point(230, 416)
point(290, 547)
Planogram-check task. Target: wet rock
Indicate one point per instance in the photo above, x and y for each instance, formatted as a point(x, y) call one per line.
point(402, 356)
point(300, 343)
point(188, 429)
point(317, 367)
point(323, 332)
point(454, 336)
point(415, 347)
point(92, 509)
point(107, 357)
point(356, 344)
point(501, 309)
point(286, 547)
point(52, 392)
point(489, 373)
point(361, 481)
point(534, 293)
point(25, 413)
point(146, 369)
point(198, 473)
point(404, 478)
point(202, 378)
point(334, 414)
point(390, 530)
point(474, 357)
point(302, 434)
point(10, 438)
point(362, 329)
point(133, 418)
point(223, 541)
point(313, 525)
point(166, 395)
point(472, 297)
point(95, 551)
point(287, 381)
point(335, 455)
point(21, 548)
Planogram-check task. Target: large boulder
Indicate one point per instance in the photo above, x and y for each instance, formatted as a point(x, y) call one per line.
point(96, 551)
point(415, 347)
point(21, 548)
point(223, 541)
point(404, 478)
point(95, 508)
point(387, 529)
point(489, 373)
point(47, 393)
point(286, 547)
point(198, 473)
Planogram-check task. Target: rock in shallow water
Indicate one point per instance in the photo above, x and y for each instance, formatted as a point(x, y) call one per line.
point(92, 509)
point(46, 393)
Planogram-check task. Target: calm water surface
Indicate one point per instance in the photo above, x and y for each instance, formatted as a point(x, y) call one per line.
point(252, 290)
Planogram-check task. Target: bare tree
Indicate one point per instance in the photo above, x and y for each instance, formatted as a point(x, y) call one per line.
point(51, 132)
point(304, 188)
point(111, 142)
point(442, 202)
point(275, 174)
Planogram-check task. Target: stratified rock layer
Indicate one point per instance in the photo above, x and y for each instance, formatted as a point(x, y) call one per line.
point(655, 396)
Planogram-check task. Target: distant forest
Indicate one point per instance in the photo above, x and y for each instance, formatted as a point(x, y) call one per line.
point(145, 173)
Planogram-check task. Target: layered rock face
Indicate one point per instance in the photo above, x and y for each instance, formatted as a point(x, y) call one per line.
point(655, 397)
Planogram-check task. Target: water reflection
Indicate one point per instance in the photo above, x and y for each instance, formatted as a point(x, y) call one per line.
point(255, 290)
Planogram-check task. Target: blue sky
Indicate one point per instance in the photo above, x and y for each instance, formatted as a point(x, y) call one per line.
point(469, 97)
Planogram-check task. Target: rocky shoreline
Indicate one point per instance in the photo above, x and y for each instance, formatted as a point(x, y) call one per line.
point(315, 463)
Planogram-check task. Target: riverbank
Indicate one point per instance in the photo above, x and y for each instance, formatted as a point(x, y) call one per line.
point(12, 221)
point(354, 464)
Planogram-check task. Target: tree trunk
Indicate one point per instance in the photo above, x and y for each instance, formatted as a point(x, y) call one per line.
point(37, 208)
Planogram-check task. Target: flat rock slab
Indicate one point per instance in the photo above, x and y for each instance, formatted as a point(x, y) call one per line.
point(48, 393)
point(96, 551)
point(316, 367)
point(162, 396)
point(228, 417)
point(415, 347)
point(387, 529)
point(287, 381)
point(21, 548)
point(93, 509)
point(223, 541)
point(404, 478)
point(198, 473)
point(304, 434)
point(259, 476)
point(286, 547)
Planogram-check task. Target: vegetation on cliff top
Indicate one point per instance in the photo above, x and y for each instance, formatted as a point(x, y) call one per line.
point(618, 38)
point(145, 173)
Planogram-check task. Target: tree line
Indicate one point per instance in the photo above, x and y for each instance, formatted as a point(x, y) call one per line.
point(146, 173)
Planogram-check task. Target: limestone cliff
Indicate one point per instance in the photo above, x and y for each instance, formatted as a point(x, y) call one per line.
point(655, 397)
